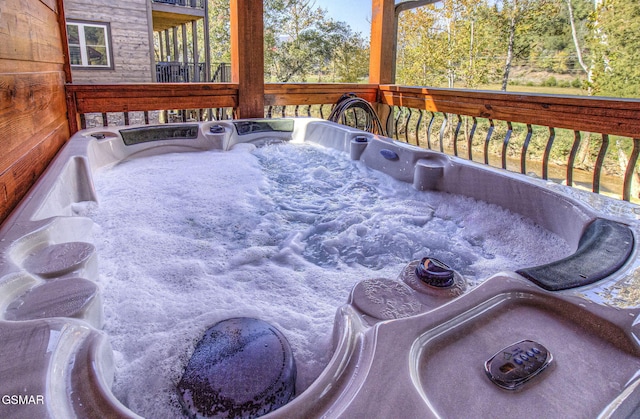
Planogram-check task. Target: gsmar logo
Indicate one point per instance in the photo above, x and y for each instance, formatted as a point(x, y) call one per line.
point(9, 399)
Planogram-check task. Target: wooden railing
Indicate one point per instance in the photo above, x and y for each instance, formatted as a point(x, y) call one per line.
point(515, 131)
point(302, 99)
point(607, 130)
point(84, 99)
point(177, 72)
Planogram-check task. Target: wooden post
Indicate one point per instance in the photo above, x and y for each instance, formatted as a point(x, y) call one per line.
point(72, 111)
point(166, 45)
point(196, 57)
point(382, 52)
point(247, 56)
point(383, 34)
point(207, 45)
point(174, 33)
point(185, 56)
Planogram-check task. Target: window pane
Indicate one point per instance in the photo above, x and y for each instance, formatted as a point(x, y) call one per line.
point(94, 35)
point(74, 55)
point(72, 34)
point(97, 55)
point(88, 44)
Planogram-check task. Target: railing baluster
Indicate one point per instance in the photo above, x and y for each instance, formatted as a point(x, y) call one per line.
point(628, 175)
point(126, 118)
point(83, 121)
point(455, 136)
point(406, 127)
point(295, 112)
point(321, 114)
point(309, 110)
point(105, 121)
point(470, 139)
point(395, 124)
point(572, 156)
point(525, 147)
point(486, 141)
point(505, 144)
point(433, 117)
point(355, 117)
point(443, 128)
point(597, 170)
point(418, 127)
point(284, 107)
point(388, 120)
point(146, 117)
point(547, 153)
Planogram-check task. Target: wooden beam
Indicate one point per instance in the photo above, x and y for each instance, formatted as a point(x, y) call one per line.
point(247, 56)
point(383, 35)
point(62, 24)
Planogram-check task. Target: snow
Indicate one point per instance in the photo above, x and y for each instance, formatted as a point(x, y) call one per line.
point(281, 233)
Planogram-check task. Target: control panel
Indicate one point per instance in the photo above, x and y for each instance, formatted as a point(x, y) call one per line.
point(516, 364)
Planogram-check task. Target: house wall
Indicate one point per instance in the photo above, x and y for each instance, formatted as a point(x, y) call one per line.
point(33, 113)
point(130, 23)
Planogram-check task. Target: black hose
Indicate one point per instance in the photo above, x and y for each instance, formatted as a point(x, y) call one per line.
point(351, 101)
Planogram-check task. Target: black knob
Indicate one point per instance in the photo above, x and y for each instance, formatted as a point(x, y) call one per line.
point(435, 273)
point(216, 129)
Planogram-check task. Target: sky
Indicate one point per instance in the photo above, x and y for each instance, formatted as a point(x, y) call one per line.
point(357, 13)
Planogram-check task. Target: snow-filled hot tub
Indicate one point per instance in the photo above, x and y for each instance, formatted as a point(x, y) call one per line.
point(138, 239)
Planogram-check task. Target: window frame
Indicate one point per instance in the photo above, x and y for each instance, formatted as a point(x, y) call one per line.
point(81, 24)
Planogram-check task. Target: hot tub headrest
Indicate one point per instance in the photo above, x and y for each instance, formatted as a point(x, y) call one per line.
point(604, 247)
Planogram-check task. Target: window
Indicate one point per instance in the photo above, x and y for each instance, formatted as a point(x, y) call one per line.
point(89, 44)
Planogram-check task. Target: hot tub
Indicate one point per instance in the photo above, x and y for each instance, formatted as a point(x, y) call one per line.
point(553, 340)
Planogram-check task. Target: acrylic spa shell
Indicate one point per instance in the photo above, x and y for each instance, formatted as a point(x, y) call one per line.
point(402, 348)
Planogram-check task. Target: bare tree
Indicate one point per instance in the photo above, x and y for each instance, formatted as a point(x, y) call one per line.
point(513, 21)
point(576, 43)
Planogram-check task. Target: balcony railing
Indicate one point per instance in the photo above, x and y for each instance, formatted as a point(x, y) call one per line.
point(513, 131)
point(186, 3)
point(177, 72)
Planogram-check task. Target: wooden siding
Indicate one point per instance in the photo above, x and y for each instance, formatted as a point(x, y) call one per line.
point(130, 44)
point(33, 117)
